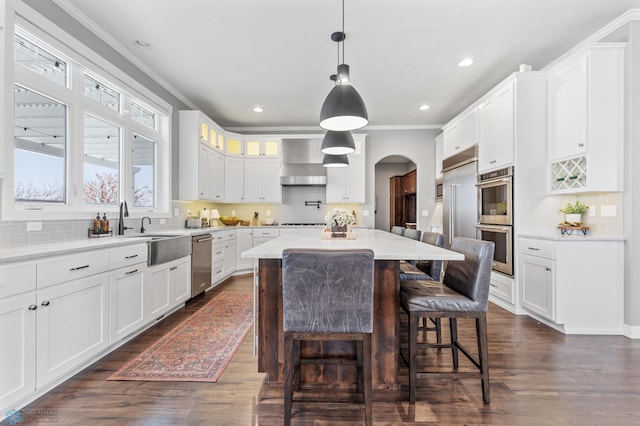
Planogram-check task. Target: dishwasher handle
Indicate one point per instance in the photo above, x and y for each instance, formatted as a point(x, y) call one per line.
point(202, 240)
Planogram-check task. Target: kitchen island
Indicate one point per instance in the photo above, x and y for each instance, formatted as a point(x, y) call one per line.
point(388, 250)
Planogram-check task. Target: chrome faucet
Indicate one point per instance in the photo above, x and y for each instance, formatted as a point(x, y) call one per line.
point(142, 223)
point(124, 212)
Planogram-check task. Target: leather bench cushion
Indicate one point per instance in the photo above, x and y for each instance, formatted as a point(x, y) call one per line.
point(433, 296)
point(411, 272)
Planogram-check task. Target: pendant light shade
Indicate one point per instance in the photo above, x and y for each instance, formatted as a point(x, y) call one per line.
point(338, 143)
point(335, 160)
point(343, 109)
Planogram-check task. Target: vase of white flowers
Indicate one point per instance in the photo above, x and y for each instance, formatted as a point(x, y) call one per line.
point(338, 220)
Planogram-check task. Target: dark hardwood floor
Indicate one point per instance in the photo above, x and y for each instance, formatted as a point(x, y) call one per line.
point(538, 377)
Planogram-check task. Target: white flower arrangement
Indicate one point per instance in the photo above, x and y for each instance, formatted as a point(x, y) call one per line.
point(339, 217)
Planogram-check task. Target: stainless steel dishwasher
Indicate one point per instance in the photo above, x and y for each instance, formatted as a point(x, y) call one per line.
point(200, 263)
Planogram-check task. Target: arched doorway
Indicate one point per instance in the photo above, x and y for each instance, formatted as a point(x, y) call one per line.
point(406, 206)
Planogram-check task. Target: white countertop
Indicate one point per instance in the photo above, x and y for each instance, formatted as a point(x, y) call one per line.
point(575, 237)
point(385, 245)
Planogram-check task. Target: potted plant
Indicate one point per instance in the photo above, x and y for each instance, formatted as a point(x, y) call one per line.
point(573, 212)
point(338, 219)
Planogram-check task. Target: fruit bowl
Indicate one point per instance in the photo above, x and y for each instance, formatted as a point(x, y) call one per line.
point(230, 221)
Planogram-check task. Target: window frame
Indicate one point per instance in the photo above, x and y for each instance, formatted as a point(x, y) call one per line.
point(80, 61)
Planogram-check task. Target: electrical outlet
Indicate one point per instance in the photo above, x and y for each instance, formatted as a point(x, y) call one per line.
point(268, 212)
point(34, 226)
point(176, 212)
point(365, 212)
point(188, 212)
point(233, 212)
point(425, 213)
point(163, 221)
point(592, 211)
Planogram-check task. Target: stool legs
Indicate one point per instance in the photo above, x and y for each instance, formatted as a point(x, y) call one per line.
point(288, 376)
point(483, 351)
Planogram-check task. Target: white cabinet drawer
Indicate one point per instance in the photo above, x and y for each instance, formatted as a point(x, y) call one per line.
point(266, 233)
point(217, 272)
point(226, 235)
point(17, 278)
point(128, 255)
point(538, 248)
point(217, 253)
point(502, 288)
point(66, 268)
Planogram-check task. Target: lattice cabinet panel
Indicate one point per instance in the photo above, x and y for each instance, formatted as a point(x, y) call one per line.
point(569, 174)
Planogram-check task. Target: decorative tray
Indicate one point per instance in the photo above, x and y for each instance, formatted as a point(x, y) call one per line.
point(567, 229)
point(328, 235)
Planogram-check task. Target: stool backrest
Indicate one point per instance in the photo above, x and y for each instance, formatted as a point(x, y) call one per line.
point(327, 291)
point(472, 276)
point(433, 267)
point(399, 230)
point(414, 234)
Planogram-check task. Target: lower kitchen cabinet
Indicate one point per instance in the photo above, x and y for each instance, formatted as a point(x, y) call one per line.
point(559, 284)
point(18, 349)
point(244, 241)
point(166, 285)
point(72, 325)
point(127, 301)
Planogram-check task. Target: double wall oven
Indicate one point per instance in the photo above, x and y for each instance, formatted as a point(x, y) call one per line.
point(495, 215)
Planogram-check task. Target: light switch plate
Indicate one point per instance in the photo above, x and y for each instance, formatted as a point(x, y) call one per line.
point(176, 212)
point(425, 213)
point(365, 212)
point(592, 211)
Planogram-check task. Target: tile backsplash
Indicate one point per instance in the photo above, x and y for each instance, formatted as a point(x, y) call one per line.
point(605, 215)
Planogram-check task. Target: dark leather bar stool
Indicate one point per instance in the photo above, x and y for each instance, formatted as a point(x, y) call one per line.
point(412, 233)
point(398, 230)
point(464, 293)
point(327, 296)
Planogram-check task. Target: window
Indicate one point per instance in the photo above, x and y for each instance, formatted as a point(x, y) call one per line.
point(39, 148)
point(101, 93)
point(144, 153)
point(101, 162)
point(40, 60)
point(143, 116)
point(82, 145)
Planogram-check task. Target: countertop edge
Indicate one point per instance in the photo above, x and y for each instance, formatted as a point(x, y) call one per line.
point(571, 238)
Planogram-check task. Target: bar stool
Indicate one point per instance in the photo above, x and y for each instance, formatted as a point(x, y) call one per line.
point(412, 233)
point(327, 296)
point(464, 293)
point(398, 230)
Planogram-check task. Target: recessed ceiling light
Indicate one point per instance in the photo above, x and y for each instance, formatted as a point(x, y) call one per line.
point(258, 109)
point(424, 107)
point(143, 44)
point(465, 62)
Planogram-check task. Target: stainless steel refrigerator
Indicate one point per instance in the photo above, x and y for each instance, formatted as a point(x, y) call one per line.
point(460, 197)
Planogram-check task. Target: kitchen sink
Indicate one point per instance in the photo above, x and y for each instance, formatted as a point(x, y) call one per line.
point(165, 248)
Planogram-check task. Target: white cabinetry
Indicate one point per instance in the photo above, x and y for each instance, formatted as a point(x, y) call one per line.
point(262, 147)
point(502, 291)
point(262, 235)
point(347, 184)
point(18, 310)
point(244, 241)
point(71, 324)
point(180, 281)
point(126, 300)
point(234, 179)
point(496, 125)
point(223, 255)
point(461, 133)
point(201, 158)
point(169, 284)
point(556, 285)
point(234, 145)
point(262, 180)
point(439, 155)
point(586, 116)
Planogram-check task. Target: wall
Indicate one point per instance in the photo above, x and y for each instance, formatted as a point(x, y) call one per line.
point(419, 147)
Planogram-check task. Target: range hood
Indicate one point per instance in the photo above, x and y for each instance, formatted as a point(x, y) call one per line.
point(302, 163)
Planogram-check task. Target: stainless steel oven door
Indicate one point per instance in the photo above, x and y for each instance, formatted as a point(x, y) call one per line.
point(495, 201)
point(502, 237)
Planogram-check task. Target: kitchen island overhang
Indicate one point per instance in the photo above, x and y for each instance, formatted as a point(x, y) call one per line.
point(388, 250)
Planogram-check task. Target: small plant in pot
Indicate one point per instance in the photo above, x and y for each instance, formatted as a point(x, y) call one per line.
point(573, 213)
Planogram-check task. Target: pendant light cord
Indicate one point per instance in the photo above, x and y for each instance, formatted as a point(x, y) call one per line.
point(344, 35)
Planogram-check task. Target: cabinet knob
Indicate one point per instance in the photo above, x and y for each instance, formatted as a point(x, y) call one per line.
point(547, 268)
point(581, 144)
point(45, 303)
point(32, 307)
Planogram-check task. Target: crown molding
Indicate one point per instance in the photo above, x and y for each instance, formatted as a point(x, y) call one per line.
point(286, 129)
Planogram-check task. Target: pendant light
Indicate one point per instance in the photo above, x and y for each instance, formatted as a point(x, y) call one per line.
point(335, 160)
point(343, 109)
point(338, 143)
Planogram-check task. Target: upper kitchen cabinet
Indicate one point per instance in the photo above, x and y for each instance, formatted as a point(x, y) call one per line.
point(496, 127)
point(262, 180)
point(586, 113)
point(262, 147)
point(201, 162)
point(233, 179)
point(347, 184)
point(461, 133)
point(439, 154)
point(234, 145)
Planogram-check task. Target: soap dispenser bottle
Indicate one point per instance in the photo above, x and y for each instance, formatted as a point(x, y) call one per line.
point(104, 224)
point(97, 224)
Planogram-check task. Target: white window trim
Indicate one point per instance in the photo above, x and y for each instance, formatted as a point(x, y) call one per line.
point(81, 60)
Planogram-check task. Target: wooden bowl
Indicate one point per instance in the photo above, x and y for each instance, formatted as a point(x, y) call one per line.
point(230, 222)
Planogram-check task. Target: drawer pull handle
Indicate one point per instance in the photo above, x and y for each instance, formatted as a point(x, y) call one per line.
point(79, 267)
point(131, 272)
point(32, 307)
point(533, 248)
point(45, 303)
point(131, 257)
point(173, 268)
point(493, 285)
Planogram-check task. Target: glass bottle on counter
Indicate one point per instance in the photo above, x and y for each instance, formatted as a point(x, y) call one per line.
point(97, 224)
point(104, 224)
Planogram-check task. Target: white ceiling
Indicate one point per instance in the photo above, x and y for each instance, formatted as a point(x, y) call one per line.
point(226, 57)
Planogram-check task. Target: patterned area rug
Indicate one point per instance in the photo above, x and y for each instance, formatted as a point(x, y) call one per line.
point(199, 348)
